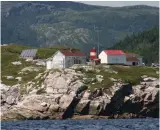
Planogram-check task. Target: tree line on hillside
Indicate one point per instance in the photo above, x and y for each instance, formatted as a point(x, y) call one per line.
point(144, 43)
point(45, 24)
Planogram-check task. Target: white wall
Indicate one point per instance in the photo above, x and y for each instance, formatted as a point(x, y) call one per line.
point(61, 61)
point(116, 59)
point(69, 60)
point(103, 57)
point(129, 63)
point(58, 60)
point(49, 64)
point(112, 59)
point(140, 60)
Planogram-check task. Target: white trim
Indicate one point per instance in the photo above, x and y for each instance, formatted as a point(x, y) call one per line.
point(57, 52)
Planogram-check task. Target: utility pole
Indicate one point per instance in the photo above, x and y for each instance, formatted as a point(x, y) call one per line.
point(98, 40)
point(97, 37)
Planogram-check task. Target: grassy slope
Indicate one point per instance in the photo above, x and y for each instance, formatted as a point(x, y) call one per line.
point(12, 52)
point(145, 44)
point(127, 74)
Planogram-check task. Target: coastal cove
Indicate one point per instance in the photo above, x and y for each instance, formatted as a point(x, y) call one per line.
point(69, 65)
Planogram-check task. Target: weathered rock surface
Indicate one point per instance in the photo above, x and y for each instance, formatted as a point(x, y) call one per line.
point(30, 68)
point(63, 82)
point(9, 77)
point(66, 95)
point(9, 97)
point(16, 63)
point(144, 101)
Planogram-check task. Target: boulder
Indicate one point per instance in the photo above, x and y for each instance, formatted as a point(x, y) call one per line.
point(9, 77)
point(54, 108)
point(49, 89)
point(144, 76)
point(16, 63)
point(23, 113)
point(30, 68)
point(44, 104)
point(144, 102)
point(12, 96)
point(40, 63)
point(19, 78)
point(99, 78)
point(9, 97)
point(149, 79)
point(65, 101)
point(117, 100)
point(114, 80)
point(86, 95)
point(63, 82)
point(94, 107)
point(4, 88)
point(83, 106)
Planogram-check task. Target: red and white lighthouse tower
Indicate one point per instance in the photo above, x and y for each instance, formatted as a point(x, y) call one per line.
point(93, 54)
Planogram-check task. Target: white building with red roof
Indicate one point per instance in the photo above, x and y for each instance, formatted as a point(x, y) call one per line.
point(133, 59)
point(119, 57)
point(66, 59)
point(112, 57)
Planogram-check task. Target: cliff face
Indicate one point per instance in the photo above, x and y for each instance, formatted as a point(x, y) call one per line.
point(65, 93)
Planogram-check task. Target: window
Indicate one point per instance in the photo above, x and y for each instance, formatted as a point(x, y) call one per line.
point(77, 61)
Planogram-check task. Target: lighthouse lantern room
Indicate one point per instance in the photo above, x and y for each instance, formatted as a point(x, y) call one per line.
point(93, 56)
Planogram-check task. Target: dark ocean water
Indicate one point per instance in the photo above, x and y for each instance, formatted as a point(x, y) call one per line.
point(117, 124)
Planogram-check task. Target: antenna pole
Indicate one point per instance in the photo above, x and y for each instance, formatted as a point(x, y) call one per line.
point(97, 37)
point(98, 41)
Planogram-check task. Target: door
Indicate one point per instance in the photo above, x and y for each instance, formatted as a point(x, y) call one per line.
point(134, 63)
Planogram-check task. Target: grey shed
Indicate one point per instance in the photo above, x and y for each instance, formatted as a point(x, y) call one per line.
point(28, 53)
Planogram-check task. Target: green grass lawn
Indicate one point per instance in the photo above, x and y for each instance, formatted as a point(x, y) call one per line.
point(12, 52)
point(127, 74)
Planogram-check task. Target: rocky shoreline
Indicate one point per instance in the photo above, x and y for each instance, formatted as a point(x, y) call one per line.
point(64, 95)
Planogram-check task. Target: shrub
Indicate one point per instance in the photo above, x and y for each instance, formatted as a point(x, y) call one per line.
point(41, 91)
point(81, 89)
point(80, 69)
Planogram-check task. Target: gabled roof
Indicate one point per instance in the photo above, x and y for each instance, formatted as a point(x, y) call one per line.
point(132, 55)
point(29, 53)
point(114, 52)
point(132, 59)
point(72, 53)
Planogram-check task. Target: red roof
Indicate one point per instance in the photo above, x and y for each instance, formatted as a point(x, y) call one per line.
point(130, 55)
point(132, 59)
point(114, 52)
point(72, 53)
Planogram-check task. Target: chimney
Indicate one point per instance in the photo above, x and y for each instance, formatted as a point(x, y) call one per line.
point(71, 50)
